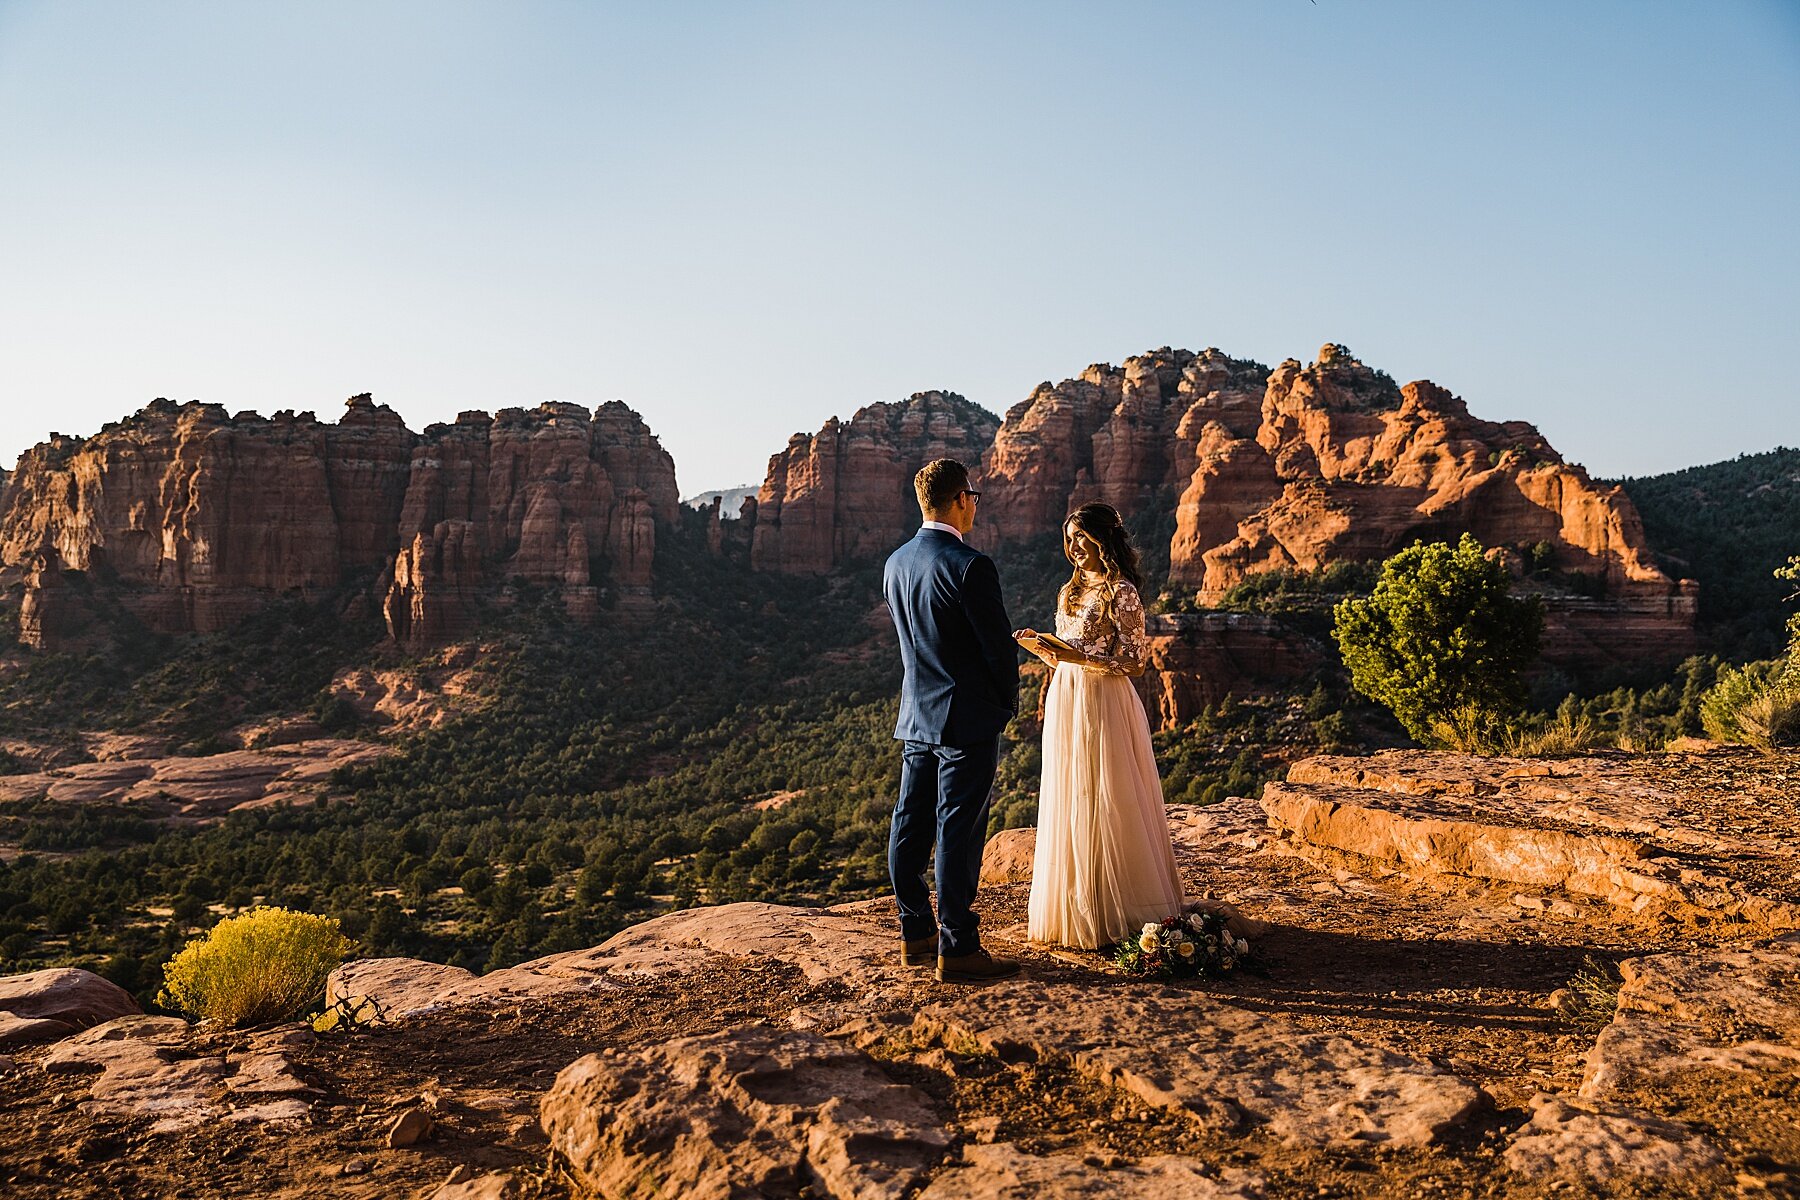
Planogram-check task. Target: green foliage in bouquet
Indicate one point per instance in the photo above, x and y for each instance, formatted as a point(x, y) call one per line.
point(1183, 946)
point(267, 965)
point(1442, 644)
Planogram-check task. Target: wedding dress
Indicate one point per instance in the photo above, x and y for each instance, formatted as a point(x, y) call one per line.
point(1103, 865)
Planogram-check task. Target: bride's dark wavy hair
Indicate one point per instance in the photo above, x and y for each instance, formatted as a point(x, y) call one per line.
point(1103, 523)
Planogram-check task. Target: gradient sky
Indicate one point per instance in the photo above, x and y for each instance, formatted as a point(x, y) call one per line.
point(741, 218)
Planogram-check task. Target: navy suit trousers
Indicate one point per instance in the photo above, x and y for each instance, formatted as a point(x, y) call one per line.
point(943, 799)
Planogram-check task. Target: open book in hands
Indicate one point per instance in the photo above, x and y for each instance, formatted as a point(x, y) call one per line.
point(1057, 644)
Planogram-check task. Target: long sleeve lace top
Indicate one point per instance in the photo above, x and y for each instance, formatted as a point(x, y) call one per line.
point(1113, 642)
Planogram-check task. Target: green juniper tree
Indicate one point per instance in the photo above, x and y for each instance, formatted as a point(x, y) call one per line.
point(1442, 643)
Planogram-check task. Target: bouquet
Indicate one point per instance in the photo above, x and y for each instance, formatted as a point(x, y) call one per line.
point(1181, 947)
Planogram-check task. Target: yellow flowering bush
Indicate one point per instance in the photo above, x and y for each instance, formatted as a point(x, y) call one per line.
point(268, 964)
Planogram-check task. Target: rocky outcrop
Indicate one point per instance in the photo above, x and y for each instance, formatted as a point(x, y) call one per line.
point(1731, 1014)
point(1574, 832)
point(156, 1068)
point(1702, 1022)
point(196, 515)
point(846, 492)
point(192, 518)
point(1581, 1141)
point(1291, 469)
point(197, 788)
point(745, 1112)
point(1005, 1172)
point(1111, 434)
point(437, 586)
point(540, 498)
point(1364, 467)
point(45, 1006)
point(1237, 1069)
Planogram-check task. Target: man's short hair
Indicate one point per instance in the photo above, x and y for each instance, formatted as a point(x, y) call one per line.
point(939, 482)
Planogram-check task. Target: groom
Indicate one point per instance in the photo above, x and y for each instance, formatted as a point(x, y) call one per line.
point(960, 689)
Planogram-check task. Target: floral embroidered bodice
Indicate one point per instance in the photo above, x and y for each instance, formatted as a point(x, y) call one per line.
point(1116, 645)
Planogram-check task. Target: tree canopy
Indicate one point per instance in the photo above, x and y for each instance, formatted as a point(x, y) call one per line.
point(1441, 642)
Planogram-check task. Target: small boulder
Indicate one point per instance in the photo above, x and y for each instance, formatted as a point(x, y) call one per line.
point(408, 1129)
point(1008, 856)
point(75, 997)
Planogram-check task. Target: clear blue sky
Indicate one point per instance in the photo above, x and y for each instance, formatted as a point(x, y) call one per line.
point(741, 218)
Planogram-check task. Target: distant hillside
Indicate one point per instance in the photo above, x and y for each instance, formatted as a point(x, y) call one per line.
point(730, 499)
point(1729, 525)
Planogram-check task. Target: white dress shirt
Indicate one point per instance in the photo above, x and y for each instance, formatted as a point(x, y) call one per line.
point(943, 528)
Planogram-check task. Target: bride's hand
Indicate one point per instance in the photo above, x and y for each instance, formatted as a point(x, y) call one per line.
point(1028, 638)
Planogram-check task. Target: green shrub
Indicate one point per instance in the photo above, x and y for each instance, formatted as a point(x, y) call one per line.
point(1442, 644)
point(267, 965)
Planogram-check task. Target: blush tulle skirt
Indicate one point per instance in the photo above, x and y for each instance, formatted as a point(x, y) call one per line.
point(1104, 865)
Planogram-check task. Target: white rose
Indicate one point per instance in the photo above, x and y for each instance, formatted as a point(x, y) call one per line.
point(1149, 941)
point(1150, 927)
point(1196, 922)
point(1186, 949)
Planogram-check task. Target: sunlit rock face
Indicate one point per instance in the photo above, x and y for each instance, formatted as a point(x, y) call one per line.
point(192, 518)
point(846, 492)
point(1352, 467)
point(1121, 435)
point(1309, 465)
point(541, 497)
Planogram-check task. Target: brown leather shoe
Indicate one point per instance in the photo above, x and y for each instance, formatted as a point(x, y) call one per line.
point(920, 952)
point(979, 967)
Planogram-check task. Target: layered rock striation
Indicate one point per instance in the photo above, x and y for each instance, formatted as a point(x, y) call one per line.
point(846, 492)
point(192, 518)
point(1303, 466)
point(1291, 469)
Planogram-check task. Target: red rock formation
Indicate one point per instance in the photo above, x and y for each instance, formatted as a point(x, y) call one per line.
point(1356, 468)
point(436, 586)
point(199, 515)
point(194, 518)
point(846, 491)
point(540, 494)
point(51, 613)
point(1305, 466)
point(1195, 660)
point(1114, 435)
point(368, 462)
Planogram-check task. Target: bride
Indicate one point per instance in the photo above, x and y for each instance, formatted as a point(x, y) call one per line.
point(1103, 865)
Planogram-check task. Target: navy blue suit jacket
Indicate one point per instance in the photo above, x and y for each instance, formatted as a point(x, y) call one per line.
point(962, 665)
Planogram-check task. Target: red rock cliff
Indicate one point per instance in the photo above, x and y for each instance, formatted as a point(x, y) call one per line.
point(1348, 466)
point(1114, 434)
point(1308, 465)
point(846, 492)
point(195, 518)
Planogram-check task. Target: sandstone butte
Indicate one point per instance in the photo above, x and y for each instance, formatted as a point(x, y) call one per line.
point(1255, 470)
point(845, 493)
point(190, 518)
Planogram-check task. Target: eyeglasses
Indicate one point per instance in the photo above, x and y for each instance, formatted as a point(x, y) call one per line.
point(971, 493)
